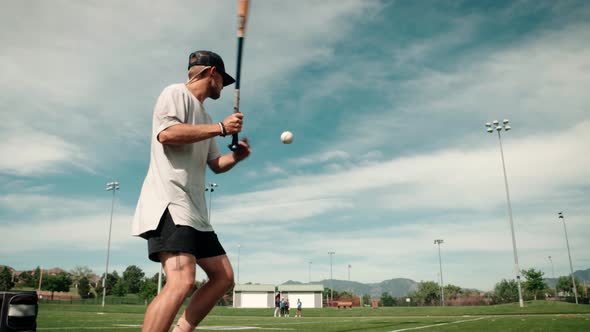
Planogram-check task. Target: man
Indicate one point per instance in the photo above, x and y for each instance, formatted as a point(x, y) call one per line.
point(282, 307)
point(287, 307)
point(277, 304)
point(298, 313)
point(171, 212)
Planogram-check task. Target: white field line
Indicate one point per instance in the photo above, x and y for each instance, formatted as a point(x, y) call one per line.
point(133, 326)
point(78, 328)
point(439, 324)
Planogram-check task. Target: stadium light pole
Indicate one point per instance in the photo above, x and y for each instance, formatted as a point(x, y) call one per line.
point(160, 279)
point(210, 188)
point(239, 246)
point(442, 293)
point(495, 125)
point(560, 216)
point(111, 186)
point(309, 273)
point(349, 266)
point(331, 253)
point(553, 275)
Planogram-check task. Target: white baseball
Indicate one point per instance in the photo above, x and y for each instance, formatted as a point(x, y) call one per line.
point(287, 137)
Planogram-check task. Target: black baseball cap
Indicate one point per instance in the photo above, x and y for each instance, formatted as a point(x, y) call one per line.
point(208, 58)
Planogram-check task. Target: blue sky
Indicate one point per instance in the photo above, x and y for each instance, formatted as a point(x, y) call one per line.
point(387, 102)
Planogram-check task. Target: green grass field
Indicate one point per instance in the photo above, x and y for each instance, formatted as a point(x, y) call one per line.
point(536, 316)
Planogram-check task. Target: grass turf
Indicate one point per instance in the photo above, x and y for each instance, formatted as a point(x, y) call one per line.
point(536, 316)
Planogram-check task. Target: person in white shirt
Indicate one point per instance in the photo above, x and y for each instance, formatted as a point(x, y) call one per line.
point(171, 213)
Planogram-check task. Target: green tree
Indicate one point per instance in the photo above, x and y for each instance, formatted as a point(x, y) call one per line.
point(84, 288)
point(36, 276)
point(367, 299)
point(452, 292)
point(148, 289)
point(57, 283)
point(344, 294)
point(79, 272)
point(133, 277)
point(121, 288)
point(564, 284)
point(111, 281)
point(155, 277)
point(534, 282)
point(25, 279)
point(387, 300)
point(6, 282)
point(506, 291)
point(326, 293)
point(428, 292)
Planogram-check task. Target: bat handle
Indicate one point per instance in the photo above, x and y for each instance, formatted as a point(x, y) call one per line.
point(234, 142)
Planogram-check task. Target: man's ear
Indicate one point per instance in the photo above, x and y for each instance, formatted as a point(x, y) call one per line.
point(212, 71)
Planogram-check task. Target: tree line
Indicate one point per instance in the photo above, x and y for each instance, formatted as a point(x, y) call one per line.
point(134, 281)
point(506, 291)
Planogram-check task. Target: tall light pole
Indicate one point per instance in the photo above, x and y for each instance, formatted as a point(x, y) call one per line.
point(111, 186)
point(560, 216)
point(239, 246)
point(210, 188)
point(495, 125)
point(331, 253)
point(309, 273)
point(553, 275)
point(349, 266)
point(160, 279)
point(442, 293)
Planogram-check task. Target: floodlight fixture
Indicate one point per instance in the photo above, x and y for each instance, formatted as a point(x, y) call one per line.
point(498, 127)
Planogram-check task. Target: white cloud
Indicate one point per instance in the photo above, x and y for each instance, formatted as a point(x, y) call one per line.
point(37, 153)
point(446, 179)
point(79, 233)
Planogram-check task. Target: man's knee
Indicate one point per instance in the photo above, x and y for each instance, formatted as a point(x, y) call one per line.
point(225, 279)
point(183, 286)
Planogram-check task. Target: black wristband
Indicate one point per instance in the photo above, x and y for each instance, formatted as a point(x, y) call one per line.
point(223, 131)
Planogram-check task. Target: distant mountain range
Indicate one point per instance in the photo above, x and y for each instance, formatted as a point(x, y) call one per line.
point(582, 275)
point(396, 287)
point(399, 287)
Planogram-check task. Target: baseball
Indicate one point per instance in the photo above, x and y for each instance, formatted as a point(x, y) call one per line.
point(287, 137)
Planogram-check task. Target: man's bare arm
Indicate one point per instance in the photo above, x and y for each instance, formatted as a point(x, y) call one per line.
point(187, 133)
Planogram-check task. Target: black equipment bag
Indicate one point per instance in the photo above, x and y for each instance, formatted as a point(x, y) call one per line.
point(18, 311)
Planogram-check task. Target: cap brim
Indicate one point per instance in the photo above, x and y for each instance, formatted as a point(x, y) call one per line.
point(227, 80)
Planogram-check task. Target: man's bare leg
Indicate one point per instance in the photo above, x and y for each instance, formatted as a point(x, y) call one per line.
point(221, 278)
point(180, 280)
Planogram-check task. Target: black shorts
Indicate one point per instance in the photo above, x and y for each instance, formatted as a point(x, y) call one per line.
point(179, 238)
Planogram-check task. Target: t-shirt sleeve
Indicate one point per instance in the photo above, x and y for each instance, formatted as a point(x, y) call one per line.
point(213, 150)
point(170, 110)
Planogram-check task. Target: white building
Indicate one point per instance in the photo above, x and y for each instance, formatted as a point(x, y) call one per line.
point(310, 295)
point(254, 296)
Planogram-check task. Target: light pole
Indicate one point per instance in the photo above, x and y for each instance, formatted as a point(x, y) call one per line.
point(210, 188)
point(490, 128)
point(239, 246)
point(553, 275)
point(309, 273)
point(442, 293)
point(111, 186)
point(560, 216)
point(160, 279)
point(331, 253)
point(349, 266)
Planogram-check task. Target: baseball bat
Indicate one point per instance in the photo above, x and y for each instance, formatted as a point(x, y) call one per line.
point(242, 15)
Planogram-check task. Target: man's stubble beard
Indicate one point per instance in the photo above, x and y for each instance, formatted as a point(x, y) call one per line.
point(214, 92)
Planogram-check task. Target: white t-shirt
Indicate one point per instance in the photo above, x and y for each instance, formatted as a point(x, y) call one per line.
point(176, 175)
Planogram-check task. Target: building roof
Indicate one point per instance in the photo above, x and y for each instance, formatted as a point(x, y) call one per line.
point(301, 288)
point(254, 288)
